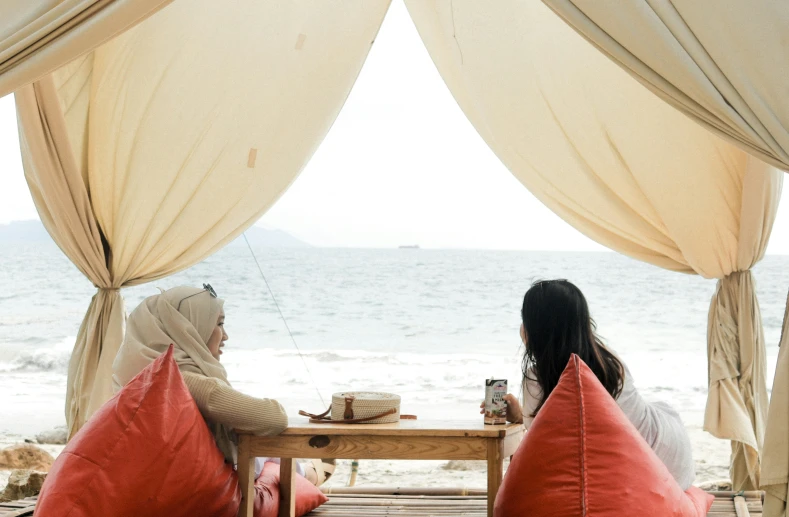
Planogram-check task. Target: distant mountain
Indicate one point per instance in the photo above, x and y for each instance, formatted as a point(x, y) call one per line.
point(24, 231)
point(34, 231)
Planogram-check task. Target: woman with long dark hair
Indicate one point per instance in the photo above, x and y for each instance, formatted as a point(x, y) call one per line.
point(556, 324)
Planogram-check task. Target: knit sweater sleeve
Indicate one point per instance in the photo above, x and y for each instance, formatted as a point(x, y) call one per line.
point(220, 403)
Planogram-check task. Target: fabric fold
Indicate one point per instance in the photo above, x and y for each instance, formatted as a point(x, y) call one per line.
point(39, 37)
point(775, 467)
point(723, 64)
point(98, 340)
point(737, 400)
point(166, 142)
point(625, 169)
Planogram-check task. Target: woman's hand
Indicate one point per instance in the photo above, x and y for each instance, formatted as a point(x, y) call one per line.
point(514, 411)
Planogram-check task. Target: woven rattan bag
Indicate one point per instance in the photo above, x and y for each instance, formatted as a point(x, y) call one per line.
point(361, 407)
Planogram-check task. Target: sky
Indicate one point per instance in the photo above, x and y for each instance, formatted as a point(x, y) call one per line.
point(401, 165)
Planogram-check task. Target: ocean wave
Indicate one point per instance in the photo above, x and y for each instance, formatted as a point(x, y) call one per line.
point(658, 389)
point(51, 359)
point(386, 359)
point(772, 322)
point(328, 357)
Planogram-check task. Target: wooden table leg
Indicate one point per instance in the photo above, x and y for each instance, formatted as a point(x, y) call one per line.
point(287, 487)
point(495, 471)
point(246, 477)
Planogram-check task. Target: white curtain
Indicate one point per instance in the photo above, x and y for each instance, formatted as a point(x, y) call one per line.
point(625, 169)
point(155, 150)
point(725, 63)
point(776, 446)
point(39, 36)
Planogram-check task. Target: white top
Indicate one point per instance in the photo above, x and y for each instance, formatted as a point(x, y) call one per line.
point(659, 424)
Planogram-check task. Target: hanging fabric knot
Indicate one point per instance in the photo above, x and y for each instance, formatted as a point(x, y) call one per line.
point(736, 407)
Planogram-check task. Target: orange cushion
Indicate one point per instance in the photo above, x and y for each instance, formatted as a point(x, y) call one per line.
point(308, 496)
point(147, 451)
point(583, 457)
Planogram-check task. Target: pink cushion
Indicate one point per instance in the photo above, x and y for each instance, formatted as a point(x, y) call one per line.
point(308, 496)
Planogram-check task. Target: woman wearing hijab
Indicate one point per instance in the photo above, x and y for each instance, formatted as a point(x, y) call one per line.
point(193, 321)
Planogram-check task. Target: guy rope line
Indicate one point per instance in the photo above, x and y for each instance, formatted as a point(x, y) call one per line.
point(284, 320)
point(354, 463)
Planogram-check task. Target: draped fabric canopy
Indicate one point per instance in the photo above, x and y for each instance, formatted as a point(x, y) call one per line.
point(625, 169)
point(39, 36)
point(724, 63)
point(776, 446)
point(155, 149)
point(159, 147)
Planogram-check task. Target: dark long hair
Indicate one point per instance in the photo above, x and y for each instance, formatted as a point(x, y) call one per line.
point(557, 324)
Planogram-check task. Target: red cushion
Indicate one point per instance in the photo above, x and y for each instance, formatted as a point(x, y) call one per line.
point(147, 451)
point(267, 502)
point(583, 457)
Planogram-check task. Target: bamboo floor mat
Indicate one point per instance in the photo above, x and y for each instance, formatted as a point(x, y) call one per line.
point(18, 508)
point(416, 503)
point(376, 502)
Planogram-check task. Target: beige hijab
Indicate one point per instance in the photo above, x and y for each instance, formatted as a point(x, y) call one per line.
point(185, 317)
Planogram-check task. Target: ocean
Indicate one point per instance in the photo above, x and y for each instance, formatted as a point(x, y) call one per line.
point(430, 325)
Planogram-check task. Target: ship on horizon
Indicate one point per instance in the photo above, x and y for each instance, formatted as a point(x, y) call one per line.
point(409, 247)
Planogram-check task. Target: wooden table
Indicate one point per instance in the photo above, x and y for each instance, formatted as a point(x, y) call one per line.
point(405, 440)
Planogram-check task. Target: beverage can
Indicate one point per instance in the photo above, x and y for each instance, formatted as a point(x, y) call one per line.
point(495, 405)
